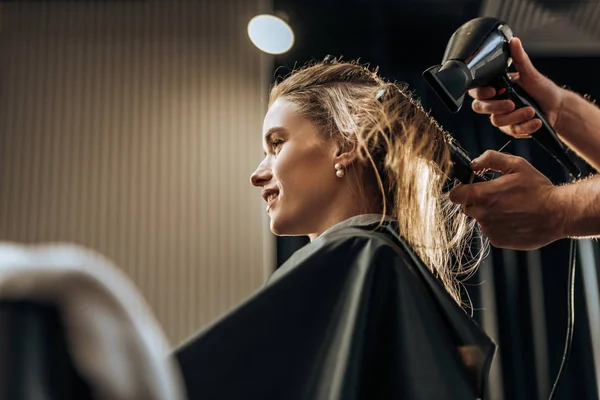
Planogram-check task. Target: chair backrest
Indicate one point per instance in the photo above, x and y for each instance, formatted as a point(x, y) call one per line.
point(34, 356)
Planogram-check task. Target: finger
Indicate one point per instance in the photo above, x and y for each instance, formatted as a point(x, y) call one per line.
point(482, 93)
point(474, 211)
point(469, 195)
point(459, 193)
point(468, 209)
point(512, 118)
point(493, 106)
point(464, 194)
point(500, 162)
point(521, 58)
point(524, 129)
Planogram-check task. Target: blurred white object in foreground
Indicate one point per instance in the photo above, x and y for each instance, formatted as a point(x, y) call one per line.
point(115, 342)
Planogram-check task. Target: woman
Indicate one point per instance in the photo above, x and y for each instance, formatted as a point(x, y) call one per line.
point(360, 312)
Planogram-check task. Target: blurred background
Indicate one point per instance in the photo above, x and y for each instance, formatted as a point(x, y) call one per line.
point(132, 127)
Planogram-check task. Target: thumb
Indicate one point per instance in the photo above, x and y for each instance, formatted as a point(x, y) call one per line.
point(496, 161)
point(521, 59)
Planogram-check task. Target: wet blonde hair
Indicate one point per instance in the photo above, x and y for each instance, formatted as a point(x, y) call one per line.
point(406, 150)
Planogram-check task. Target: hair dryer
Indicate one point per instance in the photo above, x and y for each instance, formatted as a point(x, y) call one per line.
point(478, 55)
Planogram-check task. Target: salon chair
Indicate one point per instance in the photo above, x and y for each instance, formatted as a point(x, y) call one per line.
point(34, 358)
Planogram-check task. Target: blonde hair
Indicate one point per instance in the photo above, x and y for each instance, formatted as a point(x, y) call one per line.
point(406, 149)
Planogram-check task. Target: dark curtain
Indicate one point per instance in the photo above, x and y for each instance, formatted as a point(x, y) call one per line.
point(520, 298)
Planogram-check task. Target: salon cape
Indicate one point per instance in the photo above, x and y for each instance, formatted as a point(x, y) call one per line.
point(352, 315)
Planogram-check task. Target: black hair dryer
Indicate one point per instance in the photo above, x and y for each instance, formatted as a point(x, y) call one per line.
point(478, 55)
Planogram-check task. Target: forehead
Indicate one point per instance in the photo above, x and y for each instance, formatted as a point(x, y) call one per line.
point(284, 118)
point(282, 113)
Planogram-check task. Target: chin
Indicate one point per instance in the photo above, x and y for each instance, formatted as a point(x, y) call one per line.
point(276, 228)
point(282, 227)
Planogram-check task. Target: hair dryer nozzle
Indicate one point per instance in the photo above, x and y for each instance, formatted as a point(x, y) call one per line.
point(450, 82)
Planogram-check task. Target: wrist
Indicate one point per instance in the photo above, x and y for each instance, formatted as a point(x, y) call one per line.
point(560, 209)
point(572, 210)
point(564, 101)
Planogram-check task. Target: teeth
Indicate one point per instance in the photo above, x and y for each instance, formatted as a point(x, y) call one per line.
point(271, 197)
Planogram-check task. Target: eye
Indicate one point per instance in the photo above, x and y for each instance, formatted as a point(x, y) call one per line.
point(276, 145)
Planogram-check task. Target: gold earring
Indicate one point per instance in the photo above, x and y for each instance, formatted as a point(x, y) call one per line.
point(339, 170)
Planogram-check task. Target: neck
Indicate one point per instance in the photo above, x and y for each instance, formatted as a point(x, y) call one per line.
point(345, 206)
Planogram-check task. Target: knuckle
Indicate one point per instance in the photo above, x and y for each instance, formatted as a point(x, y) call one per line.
point(509, 106)
point(486, 155)
point(494, 121)
point(528, 113)
point(532, 125)
point(518, 161)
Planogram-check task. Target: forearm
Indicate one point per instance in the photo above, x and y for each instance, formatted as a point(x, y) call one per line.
point(578, 207)
point(579, 127)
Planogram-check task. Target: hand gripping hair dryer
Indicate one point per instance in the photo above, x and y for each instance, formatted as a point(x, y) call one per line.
point(478, 55)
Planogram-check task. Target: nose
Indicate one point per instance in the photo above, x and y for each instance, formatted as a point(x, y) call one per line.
point(262, 174)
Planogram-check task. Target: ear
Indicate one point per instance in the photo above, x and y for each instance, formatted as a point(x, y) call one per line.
point(346, 154)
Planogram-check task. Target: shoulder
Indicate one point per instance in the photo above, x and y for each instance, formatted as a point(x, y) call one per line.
point(349, 247)
point(349, 240)
point(357, 239)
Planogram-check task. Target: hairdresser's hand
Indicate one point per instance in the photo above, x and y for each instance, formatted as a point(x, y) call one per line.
point(520, 123)
point(518, 210)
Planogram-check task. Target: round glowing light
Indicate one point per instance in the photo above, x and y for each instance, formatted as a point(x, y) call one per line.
point(270, 34)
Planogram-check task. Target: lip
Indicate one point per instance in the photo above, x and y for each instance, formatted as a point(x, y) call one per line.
point(266, 193)
point(270, 203)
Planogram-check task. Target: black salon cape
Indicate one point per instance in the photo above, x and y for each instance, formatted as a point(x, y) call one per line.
point(352, 315)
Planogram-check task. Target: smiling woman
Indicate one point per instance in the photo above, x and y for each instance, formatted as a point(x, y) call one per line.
point(298, 175)
point(340, 142)
point(370, 308)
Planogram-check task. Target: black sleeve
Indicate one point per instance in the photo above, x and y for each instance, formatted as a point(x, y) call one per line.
point(352, 319)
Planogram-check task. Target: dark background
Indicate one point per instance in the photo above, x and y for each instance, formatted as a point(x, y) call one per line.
point(403, 38)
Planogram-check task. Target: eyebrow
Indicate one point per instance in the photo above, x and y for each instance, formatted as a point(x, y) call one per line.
point(271, 132)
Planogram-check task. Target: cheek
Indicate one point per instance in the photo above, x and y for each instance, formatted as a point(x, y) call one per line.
point(303, 177)
point(289, 174)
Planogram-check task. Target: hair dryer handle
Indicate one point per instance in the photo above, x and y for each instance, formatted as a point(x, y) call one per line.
point(546, 136)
